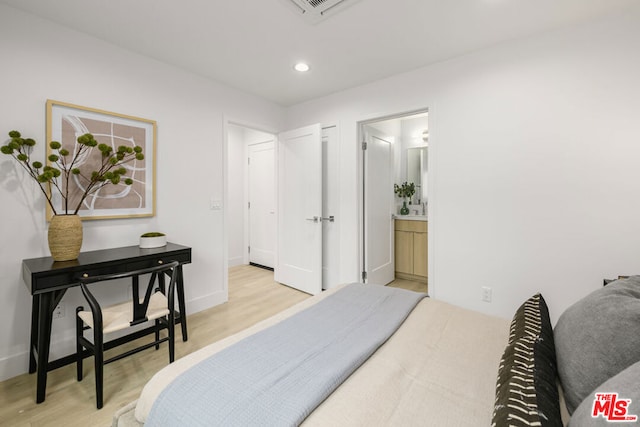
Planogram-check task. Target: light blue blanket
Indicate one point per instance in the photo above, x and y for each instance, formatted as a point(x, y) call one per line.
point(279, 375)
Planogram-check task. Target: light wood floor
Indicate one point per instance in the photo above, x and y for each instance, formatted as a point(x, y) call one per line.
point(253, 296)
point(410, 285)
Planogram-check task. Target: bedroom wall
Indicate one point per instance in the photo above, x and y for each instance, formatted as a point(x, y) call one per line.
point(43, 61)
point(534, 179)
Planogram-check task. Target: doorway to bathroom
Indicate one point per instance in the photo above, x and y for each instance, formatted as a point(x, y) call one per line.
point(395, 156)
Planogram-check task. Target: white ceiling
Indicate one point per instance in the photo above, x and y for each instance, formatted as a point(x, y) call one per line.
point(253, 44)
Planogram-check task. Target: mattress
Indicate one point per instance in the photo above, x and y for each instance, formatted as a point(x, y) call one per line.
point(439, 368)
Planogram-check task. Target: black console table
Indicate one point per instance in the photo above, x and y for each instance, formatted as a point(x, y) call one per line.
point(48, 280)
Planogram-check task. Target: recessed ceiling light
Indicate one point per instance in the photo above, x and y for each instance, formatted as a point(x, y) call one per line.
point(301, 66)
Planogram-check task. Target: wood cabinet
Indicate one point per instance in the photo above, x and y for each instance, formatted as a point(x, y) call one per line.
point(411, 249)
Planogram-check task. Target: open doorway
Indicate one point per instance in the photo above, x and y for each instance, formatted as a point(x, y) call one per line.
point(394, 240)
point(251, 196)
point(256, 167)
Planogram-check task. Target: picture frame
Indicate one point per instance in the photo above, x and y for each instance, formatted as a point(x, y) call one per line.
point(66, 122)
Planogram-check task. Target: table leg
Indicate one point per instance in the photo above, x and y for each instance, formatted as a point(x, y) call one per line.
point(181, 303)
point(45, 313)
point(35, 311)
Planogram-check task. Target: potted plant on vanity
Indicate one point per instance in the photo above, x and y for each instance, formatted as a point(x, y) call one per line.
point(404, 191)
point(64, 165)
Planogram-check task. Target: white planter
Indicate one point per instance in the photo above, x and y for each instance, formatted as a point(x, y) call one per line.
point(153, 242)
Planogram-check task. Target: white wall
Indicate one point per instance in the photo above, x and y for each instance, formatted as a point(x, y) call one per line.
point(534, 178)
point(45, 61)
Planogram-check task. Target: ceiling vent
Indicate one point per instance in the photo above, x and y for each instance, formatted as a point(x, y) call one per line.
point(317, 10)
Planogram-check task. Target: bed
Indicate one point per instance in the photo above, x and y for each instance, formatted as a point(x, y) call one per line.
point(443, 366)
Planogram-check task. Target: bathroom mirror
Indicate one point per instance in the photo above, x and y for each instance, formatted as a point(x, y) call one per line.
point(417, 172)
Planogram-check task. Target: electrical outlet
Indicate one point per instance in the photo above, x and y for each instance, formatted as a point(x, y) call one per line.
point(486, 294)
point(58, 312)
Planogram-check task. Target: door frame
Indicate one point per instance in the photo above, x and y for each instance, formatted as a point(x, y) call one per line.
point(332, 197)
point(361, 193)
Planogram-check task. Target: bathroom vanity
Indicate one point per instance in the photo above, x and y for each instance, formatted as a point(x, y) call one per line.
point(411, 247)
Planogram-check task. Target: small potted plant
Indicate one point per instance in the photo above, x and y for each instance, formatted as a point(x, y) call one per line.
point(153, 239)
point(64, 165)
point(404, 191)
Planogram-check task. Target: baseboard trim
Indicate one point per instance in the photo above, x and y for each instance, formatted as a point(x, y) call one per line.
point(14, 365)
point(236, 261)
point(206, 301)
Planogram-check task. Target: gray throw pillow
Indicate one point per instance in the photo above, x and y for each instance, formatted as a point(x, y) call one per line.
point(597, 337)
point(626, 385)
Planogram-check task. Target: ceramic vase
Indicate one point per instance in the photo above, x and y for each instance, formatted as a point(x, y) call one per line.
point(404, 210)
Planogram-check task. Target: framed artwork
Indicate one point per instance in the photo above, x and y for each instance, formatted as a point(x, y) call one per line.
point(66, 122)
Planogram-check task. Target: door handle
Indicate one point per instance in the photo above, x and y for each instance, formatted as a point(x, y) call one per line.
point(330, 219)
point(314, 219)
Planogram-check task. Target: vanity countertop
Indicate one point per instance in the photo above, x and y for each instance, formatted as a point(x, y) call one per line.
point(412, 217)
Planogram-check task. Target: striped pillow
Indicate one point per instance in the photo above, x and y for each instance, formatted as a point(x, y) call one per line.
point(526, 390)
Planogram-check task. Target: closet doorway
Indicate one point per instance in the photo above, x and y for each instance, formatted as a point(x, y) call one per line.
point(251, 196)
point(252, 157)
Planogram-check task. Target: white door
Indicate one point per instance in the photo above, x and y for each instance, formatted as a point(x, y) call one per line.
point(379, 262)
point(330, 201)
point(261, 204)
point(299, 247)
